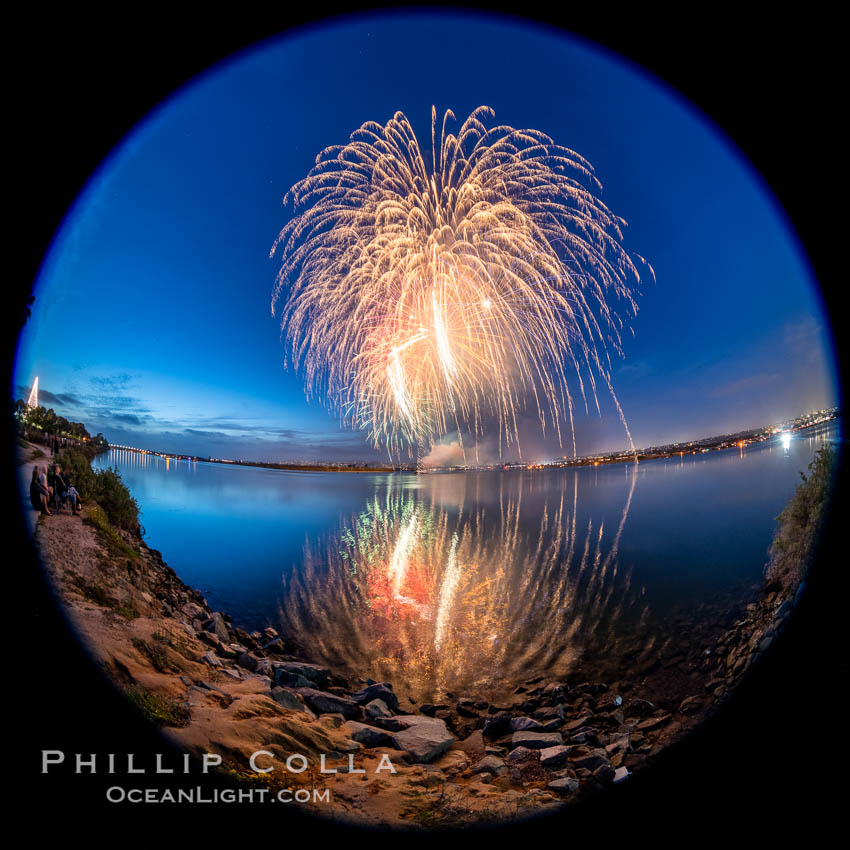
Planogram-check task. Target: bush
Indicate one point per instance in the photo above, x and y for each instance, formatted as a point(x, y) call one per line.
point(800, 523)
point(116, 501)
point(103, 486)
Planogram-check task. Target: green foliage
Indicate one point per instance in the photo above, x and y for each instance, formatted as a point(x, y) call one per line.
point(115, 499)
point(155, 654)
point(46, 419)
point(107, 535)
point(160, 710)
point(800, 523)
point(102, 486)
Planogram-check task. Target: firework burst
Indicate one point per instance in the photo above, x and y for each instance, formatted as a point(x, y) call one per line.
point(422, 300)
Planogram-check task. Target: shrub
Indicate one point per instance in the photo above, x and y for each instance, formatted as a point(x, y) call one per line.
point(103, 486)
point(116, 501)
point(800, 523)
point(161, 710)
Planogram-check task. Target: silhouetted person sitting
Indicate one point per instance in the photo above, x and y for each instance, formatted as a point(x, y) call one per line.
point(74, 497)
point(39, 494)
point(63, 491)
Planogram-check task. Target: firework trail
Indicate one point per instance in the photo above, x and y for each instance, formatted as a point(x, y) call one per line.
point(421, 300)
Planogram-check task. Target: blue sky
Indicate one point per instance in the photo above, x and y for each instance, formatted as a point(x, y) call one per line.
point(152, 317)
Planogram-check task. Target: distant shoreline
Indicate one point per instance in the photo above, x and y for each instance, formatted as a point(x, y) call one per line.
point(739, 440)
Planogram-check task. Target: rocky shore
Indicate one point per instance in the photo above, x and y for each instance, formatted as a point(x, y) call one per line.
point(216, 688)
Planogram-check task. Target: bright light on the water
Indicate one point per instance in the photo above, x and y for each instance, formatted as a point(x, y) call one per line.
point(786, 440)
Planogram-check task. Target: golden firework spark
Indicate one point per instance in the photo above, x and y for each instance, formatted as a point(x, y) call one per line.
point(420, 301)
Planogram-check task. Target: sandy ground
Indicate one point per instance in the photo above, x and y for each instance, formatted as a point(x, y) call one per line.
point(116, 604)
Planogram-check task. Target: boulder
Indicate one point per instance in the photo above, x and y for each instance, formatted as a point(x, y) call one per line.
point(604, 774)
point(217, 625)
point(567, 785)
point(653, 723)
point(425, 738)
point(431, 709)
point(690, 705)
point(380, 690)
point(554, 757)
point(287, 699)
point(522, 724)
point(319, 676)
point(489, 764)
point(324, 703)
point(592, 760)
point(377, 708)
point(369, 736)
point(520, 753)
point(536, 740)
point(639, 708)
point(247, 661)
point(497, 725)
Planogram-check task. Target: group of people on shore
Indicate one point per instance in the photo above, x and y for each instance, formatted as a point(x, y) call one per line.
point(55, 489)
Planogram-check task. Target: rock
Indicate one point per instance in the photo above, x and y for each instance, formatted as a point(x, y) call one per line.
point(519, 753)
point(554, 757)
point(549, 713)
point(521, 724)
point(269, 633)
point(583, 736)
point(275, 647)
point(579, 723)
point(567, 785)
point(604, 774)
point(590, 688)
point(287, 699)
point(426, 739)
point(690, 705)
point(653, 723)
point(247, 661)
point(490, 764)
point(376, 708)
point(217, 625)
point(291, 680)
point(430, 709)
point(536, 740)
point(319, 676)
point(232, 672)
point(639, 708)
point(474, 743)
point(380, 690)
point(497, 725)
point(211, 658)
point(369, 736)
point(211, 639)
point(324, 703)
point(193, 611)
point(591, 760)
point(609, 702)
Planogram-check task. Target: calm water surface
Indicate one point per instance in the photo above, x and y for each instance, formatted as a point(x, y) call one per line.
point(472, 580)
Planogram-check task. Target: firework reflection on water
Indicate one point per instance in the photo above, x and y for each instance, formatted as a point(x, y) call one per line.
point(435, 596)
